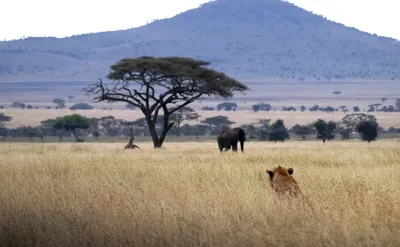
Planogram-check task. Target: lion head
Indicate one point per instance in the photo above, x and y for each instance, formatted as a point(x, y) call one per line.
point(282, 181)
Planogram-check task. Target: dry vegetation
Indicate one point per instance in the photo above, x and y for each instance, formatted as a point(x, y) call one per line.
point(33, 117)
point(191, 195)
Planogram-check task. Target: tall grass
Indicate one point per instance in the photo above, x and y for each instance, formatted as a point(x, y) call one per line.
point(189, 194)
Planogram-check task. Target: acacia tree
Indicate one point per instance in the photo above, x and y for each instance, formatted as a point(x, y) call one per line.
point(325, 129)
point(4, 118)
point(153, 83)
point(183, 114)
point(303, 130)
point(368, 130)
point(278, 131)
point(59, 102)
point(349, 123)
point(72, 123)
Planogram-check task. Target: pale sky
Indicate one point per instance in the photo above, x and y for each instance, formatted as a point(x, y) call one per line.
point(60, 18)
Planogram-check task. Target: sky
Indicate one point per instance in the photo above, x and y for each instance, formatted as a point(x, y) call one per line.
point(60, 18)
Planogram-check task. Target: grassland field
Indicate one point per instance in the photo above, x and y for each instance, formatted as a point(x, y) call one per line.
point(189, 194)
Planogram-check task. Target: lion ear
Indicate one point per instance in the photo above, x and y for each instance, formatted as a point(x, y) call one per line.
point(290, 171)
point(270, 173)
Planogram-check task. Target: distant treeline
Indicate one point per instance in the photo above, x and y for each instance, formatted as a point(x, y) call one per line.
point(80, 127)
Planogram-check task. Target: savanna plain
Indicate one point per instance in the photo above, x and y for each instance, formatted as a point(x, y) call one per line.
point(189, 194)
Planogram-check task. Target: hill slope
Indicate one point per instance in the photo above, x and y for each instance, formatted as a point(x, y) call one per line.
point(244, 38)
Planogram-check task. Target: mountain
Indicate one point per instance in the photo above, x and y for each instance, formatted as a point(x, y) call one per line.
point(247, 39)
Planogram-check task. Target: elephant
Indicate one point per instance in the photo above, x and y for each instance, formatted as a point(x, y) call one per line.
point(230, 137)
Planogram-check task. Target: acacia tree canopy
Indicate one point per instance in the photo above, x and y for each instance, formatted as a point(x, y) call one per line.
point(72, 123)
point(153, 83)
point(325, 129)
point(368, 129)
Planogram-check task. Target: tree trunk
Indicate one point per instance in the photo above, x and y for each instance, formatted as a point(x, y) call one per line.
point(75, 135)
point(178, 129)
point(167, 126)
point(158, 141)
point(154, 136)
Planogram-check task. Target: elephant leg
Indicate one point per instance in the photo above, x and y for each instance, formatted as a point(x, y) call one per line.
point(242, 146)
point(227, 148)
point(234, 147)
point(220, 147)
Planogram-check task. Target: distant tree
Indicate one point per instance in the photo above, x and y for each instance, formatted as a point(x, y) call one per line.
point(207, 108)
point(264, 128)
point(96, 135)
point(344, 132)
point(278, 131)
point(336, 93)
point(350, 121)
point(47, 127)
point(303, 130)
point(3, 119)
point(303, 108)
point(397, 103)
point(251, 131)
point(227, 106)
point(81, 106)
point(371, 108)
point(376, 106)
point(18, 104)
point(261, 107)
point(328, 109)
point(368, 130)
point(183, 114)
point(314, 108)
point(343, 108)
point(256, 108)
point(389, 108)
point(72, 123)
point(29, 107)
point(290, 108)
point(217, 121)
point(181, 80)
point(70, 98)
point(383, 100)
point(60, 103)
point(356, 109)
point(325, 130)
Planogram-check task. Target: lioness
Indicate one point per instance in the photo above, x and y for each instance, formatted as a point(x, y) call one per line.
point(282, 181)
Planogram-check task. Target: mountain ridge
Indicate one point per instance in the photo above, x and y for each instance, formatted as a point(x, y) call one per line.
point(253, 39)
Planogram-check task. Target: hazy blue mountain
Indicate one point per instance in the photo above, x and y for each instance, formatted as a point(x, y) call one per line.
point(257, 39)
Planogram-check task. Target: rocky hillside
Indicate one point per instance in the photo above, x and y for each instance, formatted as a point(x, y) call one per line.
point(247, 39)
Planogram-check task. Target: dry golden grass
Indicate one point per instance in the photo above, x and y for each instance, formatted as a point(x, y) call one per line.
point(33, 117)
point(189, 194)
